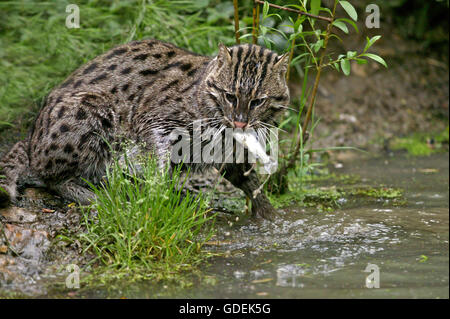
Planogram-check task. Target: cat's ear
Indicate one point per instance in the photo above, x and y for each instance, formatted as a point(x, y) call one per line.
point(282, 63)
point(224, 55)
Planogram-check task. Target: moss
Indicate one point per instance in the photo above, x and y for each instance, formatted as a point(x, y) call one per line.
point(323, 175)
point(378, 192)
point(312, 191)
point(420, 144)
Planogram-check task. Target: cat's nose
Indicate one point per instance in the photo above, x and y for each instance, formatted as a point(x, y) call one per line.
point(240, 124)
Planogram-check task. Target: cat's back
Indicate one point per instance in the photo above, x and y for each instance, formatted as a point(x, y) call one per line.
point(131, 67)
point(99, 98)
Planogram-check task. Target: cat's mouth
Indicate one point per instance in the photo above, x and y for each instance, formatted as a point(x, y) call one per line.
point(237, 124)
point(241, 125)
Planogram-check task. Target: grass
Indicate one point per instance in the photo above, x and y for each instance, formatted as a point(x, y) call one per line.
point(37, 51)
point(146, 222)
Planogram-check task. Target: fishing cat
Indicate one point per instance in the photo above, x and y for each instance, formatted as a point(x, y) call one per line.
point(142, 91)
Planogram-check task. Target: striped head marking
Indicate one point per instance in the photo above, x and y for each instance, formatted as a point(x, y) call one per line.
point(247, 83)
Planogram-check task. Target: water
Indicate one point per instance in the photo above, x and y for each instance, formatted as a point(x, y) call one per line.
point(310, 254)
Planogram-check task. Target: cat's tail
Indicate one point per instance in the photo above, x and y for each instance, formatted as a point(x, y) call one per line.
point(13, 166)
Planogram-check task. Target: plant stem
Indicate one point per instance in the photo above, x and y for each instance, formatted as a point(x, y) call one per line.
point(291, 53)
point(254, 22)
point(298, 11)
point(316, 81)
point(257, 22)
point(280, 178)
point(236, 21)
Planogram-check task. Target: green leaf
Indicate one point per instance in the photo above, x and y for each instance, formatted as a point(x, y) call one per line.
point(351, 54)
point(336, 65)
point(345, 65)
point(349, 9)
point(335, 36)
point(371, 41)
point(263, 29)
point(375, 58)
point(341, 25)
point(326, 10)
point(316, 46)
point(267, 43)
point(361, 61)
point(298, 26)
point(298, 57)
point(265, 8)
point(6, 123)
point(274, 14)
point(248, 35)
point(315, 7)
point(301, 8)
point(353, 24)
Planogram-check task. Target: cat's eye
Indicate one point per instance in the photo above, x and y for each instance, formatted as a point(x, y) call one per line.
point(231, 98)
point(255, 103)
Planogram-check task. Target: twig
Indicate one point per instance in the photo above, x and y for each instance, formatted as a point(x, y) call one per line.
point(254, 38)
point(236, 21)
point(319, 71)
point(304, 134)
point(291, 54)
point(297, 11)
point(257, 22)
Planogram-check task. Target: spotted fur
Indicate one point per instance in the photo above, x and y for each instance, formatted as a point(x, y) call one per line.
point(142, 91)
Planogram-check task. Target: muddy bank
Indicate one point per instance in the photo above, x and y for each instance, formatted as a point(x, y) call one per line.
point(33, 249)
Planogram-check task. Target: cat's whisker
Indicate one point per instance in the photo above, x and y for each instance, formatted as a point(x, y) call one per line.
point(271, 126)
point(279, 106)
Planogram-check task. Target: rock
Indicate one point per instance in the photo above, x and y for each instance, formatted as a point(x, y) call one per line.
point(18, 215)
point(29, 243)
point(6, 274)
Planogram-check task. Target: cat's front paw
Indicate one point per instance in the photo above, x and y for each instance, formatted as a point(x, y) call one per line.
point(265, 211)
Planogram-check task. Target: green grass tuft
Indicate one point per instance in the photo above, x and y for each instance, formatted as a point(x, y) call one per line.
point(146, 222)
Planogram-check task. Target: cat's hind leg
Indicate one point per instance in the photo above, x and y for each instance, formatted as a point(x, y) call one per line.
point(73, 141)
point(13, 167)
point(73, 191)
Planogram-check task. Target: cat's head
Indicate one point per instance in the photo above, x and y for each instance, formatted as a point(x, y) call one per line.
point(246, 86)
